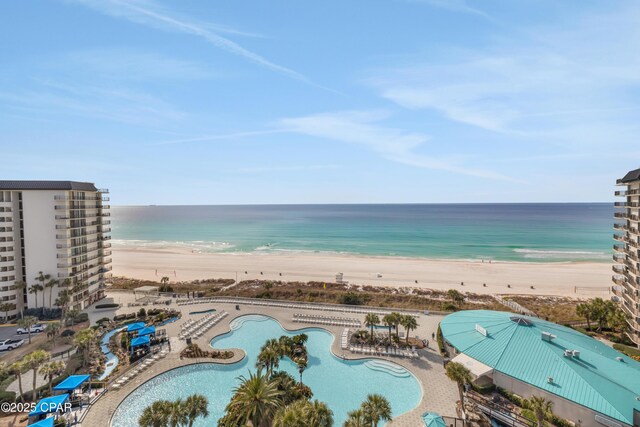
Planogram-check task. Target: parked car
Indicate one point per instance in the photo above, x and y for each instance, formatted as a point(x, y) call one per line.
point(10, 344)
point(34, 329)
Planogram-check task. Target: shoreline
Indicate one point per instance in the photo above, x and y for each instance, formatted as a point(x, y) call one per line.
point(576, 279)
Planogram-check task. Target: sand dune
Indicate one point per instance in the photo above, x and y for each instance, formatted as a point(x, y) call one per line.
point(574, 279)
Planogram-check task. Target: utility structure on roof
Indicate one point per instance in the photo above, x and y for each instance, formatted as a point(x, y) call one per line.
point(627, 252)
point(59, 228)
point(587, 381)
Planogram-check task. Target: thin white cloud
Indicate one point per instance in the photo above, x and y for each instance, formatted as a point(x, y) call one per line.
point(220, 137)
point(127, 64)
point(393, 144)
point(148, 13)
point(556, 78)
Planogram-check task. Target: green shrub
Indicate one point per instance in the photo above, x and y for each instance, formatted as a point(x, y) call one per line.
point(142, 312)
point(443, 350)
point(7, 396)
point(530, 416)
point(108, 305)
point(103, 320)
point(449, 307)
point(485, 389)
point(351, 298)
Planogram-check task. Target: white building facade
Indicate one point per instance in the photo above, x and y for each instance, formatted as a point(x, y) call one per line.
point(627, 251)
point(59, 228)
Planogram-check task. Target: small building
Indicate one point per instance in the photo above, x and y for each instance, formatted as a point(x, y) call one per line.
point(588, 382)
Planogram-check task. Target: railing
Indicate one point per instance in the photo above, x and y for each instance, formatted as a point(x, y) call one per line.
point(619, 226)
point(620, 193)
point(619, 248)
point(620, 215)
point(620, 204)
point(619, 280)
point(497, 411)
point(618, 269)
point(619, 258)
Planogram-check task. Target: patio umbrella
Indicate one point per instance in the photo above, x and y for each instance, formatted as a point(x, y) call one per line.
point(431, 419)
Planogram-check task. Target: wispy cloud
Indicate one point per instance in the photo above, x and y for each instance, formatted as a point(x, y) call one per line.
point(150, 14)
point(128, 64)
point(220, 137)
point(545, 80)
point(122, 105)
point(364, 129)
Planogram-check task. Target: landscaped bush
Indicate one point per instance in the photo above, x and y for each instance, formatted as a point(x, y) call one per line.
point(351, 298)
point(108, 305)
point(103, 320)
point(7, 396)
point(450, 307)
point(67, 333)
point(485, 389)
point(443, 350)
point(44, 313)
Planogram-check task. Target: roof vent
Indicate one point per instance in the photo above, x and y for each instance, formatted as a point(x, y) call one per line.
point(568, 353)
point(521, 320)
point(547, 336)
point(619, 359)
point(576, 353)
point(550, 380)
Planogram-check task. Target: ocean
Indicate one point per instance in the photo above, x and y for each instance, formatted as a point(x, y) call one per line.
point(541, 232)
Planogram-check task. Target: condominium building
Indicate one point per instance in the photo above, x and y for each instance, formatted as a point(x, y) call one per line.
point(627, 251)
point(58, 228)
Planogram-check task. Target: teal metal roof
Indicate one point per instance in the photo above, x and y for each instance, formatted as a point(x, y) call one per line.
point(594, 379)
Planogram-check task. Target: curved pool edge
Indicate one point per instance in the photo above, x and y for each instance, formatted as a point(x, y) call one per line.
point(350, 357)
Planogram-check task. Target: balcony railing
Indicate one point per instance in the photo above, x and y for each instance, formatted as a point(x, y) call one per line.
point(620, 226)
point(620, 204)
point(618, 269)
point(622, 215)
point(103, 190)
point(619, 279)
point(618, 248)
point(619, 258)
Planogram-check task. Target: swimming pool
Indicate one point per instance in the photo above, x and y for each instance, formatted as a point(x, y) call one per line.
point(342, 384)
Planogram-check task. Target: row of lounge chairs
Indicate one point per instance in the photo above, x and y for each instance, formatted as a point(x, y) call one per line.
point(384, 351)
point(326, 320)
point(141, 366)
point(198, 328)
point(299, 306)
point(344, 339)
point(197, 301)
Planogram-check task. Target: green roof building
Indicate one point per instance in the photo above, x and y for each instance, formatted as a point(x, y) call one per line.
point(589, 382)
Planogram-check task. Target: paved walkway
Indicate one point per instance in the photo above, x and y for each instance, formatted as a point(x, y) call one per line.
point(439, 393)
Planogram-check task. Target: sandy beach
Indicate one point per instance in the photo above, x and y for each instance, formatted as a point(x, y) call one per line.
point(575, 279)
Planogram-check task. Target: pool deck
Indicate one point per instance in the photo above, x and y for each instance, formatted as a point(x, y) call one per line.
point(439, 393)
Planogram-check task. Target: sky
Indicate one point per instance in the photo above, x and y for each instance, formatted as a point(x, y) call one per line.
point(360, 101)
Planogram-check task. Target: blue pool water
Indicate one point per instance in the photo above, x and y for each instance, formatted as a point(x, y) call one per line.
point(343, 385)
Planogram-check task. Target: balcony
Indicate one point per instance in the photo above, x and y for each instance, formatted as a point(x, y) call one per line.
point(619, 248)
point(620, 204)
point(621, 215)
point(620, 226)
point(618, 269)
point(619, 258)
point(77, 198)
point(619, 279)
point(103, 190)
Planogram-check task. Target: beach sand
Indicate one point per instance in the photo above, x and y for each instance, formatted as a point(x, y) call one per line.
point(573, 279)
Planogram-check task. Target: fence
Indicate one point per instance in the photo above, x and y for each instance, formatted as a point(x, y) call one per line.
point(515, 306)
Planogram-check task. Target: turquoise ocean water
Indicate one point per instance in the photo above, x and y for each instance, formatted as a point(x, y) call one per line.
point(509, 232)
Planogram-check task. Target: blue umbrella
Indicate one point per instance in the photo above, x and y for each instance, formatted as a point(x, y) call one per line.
point(431, 419)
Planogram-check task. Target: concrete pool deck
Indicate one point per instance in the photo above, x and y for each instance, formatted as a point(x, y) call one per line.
point(439, 393)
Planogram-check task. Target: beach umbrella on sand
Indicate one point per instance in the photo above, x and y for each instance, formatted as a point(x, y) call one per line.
point(431, 419)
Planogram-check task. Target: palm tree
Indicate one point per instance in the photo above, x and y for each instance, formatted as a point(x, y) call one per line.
point(156, 415)
point(34, 289)
point(584, 310)
point(50, 285)
point(256, 399)
point(52, 330)
point(269, 358)
point(370, 321)
point(302, 365)
point(376, 408)
point(319, 414)
point(617, 320)
point(357, 418)
point(409, 323)
point(177, 415)
point(6, 307)
point(51, 370)
point(33, 361)
point(17, 369)
point(195, 406)
point(293, 415)
point(42, 278)
point(27, 323)
point(388, 320)
point(458, 373)
point(84, 339)
point(541, 408)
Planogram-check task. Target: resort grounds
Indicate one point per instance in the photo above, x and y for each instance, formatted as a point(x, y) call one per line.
point(439, 394)
point(566, 279)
